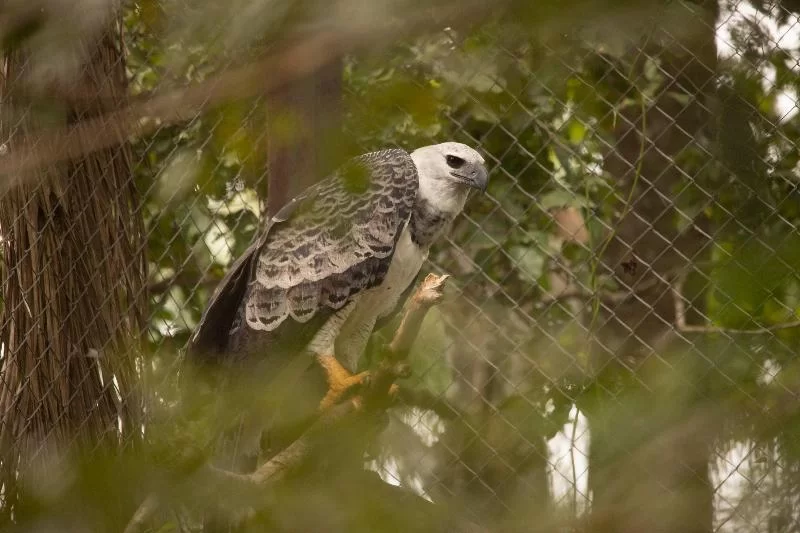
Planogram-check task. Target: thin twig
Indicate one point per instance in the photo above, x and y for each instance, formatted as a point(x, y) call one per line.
point(681, 325)
point(734, 331)
point(677, 300)
point(572, 462)
point(616, 297)
point(584, 295)
point(145, 511)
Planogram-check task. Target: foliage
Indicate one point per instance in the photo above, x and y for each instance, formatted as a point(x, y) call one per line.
point(545, 92)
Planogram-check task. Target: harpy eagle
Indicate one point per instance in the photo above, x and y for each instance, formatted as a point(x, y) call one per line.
point(335, 261)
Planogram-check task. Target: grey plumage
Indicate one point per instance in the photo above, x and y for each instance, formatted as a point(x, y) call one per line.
point(331, 244)
point(316, 254)
point(326, 268)
point(340, 241)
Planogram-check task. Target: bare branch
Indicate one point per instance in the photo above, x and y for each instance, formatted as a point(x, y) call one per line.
point(301, 58)
point(290, 457)
point(678, 302)
point(428, 294)
point(145, 511)
point(734, 331)
point(683, 327)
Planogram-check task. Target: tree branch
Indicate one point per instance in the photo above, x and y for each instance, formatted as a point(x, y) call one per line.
point(376, 394)
point(735, 331)
point(612, 297)
point(429, 293)
point(305, 55)
point(146, 510)
point(683, 327)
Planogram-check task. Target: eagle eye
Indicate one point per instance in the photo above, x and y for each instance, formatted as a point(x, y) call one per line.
point(454, 161)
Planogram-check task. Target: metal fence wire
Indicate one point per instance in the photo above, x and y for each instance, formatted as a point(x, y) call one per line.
point(620, 333)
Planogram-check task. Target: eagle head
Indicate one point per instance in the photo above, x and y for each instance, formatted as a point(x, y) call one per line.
point(447, 172)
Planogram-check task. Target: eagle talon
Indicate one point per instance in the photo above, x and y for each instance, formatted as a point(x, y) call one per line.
point(341, 382)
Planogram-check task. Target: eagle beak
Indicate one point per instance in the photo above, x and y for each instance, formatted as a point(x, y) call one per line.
point(479, 178)
point(476, 178)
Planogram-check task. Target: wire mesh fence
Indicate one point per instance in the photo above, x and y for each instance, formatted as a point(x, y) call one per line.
point(617, 348)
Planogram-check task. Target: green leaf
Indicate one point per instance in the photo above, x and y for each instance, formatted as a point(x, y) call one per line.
point(563, 198)
point(750, 280)
point(576, 132)
point(528, 260)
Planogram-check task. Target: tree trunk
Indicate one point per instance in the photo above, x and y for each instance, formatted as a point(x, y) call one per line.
point(649, 458)
point(304, 119)
point(73, 273)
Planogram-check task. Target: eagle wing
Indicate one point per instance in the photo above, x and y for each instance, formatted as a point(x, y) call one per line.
point(317, 253)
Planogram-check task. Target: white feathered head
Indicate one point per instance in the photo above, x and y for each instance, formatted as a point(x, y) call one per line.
point(447, 172)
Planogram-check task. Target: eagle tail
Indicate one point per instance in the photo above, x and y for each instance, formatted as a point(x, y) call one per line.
point(213, 331)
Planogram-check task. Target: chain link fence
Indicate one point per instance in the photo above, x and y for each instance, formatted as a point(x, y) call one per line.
point(617, 349)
